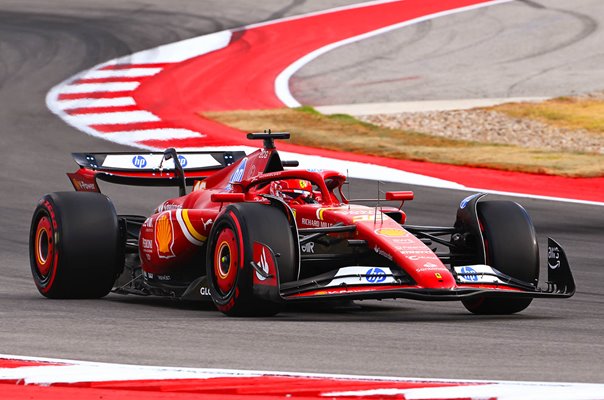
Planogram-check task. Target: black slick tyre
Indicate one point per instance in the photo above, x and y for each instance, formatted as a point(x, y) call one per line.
point(230, 252)
point(75, 246)
point(511, 247)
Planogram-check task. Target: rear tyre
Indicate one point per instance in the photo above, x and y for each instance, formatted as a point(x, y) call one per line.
point(511, 247)
point(75, 246)
point(230, 253)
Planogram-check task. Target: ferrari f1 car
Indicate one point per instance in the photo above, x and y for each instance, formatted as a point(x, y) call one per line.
point(255, 233)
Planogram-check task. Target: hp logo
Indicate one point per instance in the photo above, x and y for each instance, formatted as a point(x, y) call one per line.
point(469, 270)
point(375, 275)
point(139, 161)
point(183, 160)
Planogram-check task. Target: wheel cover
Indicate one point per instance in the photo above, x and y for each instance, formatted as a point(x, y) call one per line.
point(226, 255)
point(44, 247)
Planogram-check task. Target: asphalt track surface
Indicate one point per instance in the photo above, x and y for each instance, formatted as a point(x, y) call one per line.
point(42, 44)
point(523, 48)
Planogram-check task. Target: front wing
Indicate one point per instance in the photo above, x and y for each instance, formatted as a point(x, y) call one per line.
point(370, 282)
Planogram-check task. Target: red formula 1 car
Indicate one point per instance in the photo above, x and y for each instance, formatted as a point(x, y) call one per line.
point(254, 234)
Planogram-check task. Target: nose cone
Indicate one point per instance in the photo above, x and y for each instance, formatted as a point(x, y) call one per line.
point(409, 253)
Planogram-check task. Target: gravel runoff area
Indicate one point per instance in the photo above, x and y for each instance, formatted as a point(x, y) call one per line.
point(493, 127)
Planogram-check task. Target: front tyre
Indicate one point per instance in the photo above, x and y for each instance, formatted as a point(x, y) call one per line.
point(511, 247)
point(75, 245)
point(230, 253)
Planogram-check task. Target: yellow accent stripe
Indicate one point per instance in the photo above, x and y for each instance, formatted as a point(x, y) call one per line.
point(190, 228)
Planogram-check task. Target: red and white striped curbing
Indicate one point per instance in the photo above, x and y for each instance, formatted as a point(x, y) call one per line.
point(152, 99)
point(28, 377)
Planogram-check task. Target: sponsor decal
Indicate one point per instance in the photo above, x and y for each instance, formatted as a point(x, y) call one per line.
point(315, 170)
point(164, 277)
point(263, 264)
point(438, 276)
point(206, 223)
point(553, 257)
point(430, 265)
point(315, 223)
point(270, 175)
point(139, 161)
point(308, 247)
point(152, 161)
point(204, 291)
point(375, 275)
point(147, 244)
point(82, 186)
point(148, 223)
point(356, 212)
point(86, 186)
point(382, 253)
point(469, 270)
point(477, 274)
point(431, 269)
point(164, 236)
point(359, 276)
point(304, 185)
point(167, 205)
point(199, 185)
point(391, 232)
point(465, 201)
point(238, 174)
point(425, 252)
point(408, 240)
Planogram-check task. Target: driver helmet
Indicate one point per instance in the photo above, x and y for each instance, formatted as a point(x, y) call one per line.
point(292, 189)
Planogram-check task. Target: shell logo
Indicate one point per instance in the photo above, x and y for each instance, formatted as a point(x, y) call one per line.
point(164, 236)
point(391, 232)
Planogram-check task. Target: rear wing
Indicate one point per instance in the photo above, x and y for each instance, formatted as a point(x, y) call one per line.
point(148, 169)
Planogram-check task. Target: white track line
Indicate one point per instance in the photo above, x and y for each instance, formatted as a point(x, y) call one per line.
point(282, 82)
point(121, 73)
point(123, 117)
point(152, 134)
point(100, 87)
point(89, 103)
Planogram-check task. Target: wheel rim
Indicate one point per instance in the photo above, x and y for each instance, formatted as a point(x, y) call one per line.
point(44, 247)
point(225, 261)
